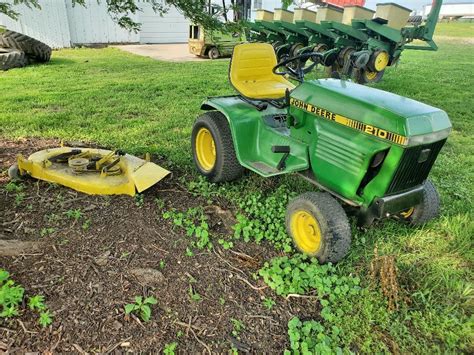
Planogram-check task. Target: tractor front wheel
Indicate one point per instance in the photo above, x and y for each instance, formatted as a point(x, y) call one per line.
point(213, 148)
point(427, 210)
point(319, 226)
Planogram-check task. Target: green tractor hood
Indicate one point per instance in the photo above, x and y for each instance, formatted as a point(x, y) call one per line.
point(374, 112)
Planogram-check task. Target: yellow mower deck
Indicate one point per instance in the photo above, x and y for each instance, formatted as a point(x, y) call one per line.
point(129, 175)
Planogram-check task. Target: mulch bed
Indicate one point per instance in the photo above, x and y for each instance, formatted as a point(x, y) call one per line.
point(87, 275)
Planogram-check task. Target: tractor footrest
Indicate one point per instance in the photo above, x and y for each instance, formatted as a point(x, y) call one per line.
point(263, 167)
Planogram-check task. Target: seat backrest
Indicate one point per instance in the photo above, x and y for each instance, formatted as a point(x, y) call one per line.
point(252, 62)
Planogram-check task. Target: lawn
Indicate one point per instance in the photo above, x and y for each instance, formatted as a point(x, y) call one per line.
point(455, 29)
point(119, 100)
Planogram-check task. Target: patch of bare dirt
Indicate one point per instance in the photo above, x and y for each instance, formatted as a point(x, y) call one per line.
point(89, 269)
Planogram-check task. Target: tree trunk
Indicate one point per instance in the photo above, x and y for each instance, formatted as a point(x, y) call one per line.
point(224, 10)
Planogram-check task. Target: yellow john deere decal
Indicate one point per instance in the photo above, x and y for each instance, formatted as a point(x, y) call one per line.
point(331, 116)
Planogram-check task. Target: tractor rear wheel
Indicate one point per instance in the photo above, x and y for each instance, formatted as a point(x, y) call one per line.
point(12, 58)
point(33, 48)
point(213, 148)
point(319, 226)
point(427, 210)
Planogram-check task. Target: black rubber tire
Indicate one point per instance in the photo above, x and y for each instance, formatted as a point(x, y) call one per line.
point(429, 207)
point(332, 220)
point(373, 57)
point(333, 71)
point(12, 58)
point(227, 166)
point(33, 48)
point(213, 53)
point(361, 78)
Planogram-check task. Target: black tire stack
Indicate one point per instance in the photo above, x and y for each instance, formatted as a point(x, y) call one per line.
point(18, 50)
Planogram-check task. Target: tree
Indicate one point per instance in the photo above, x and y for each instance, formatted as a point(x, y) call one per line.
point(286, 3)
point(195, 10)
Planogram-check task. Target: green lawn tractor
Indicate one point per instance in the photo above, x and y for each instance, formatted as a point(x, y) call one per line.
point(211, 43)
point(370, 151)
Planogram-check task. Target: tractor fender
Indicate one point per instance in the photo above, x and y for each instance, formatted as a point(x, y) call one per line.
point(252, 137)
point(218, 104)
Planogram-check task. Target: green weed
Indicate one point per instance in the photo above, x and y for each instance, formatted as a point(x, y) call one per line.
point(193, 295)
point(139, 200)
point(13, 186)
point(194, 221)
point(262, 212)
point(11, 297)
point(45, 231)
point(170, 348)
point(142, 307)
point(268, 303)
point(75, 214)
point(36, 302)
point(226, 244)
point(86, 224)
point(237, 327)
point(45, 318)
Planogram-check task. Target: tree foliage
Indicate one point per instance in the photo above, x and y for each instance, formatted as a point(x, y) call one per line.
point(197, 11)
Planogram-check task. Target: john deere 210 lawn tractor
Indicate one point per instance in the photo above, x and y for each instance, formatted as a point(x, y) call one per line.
point(370, 151)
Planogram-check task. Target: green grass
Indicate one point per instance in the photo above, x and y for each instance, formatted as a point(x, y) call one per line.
point(455, 29)
point(140, 105)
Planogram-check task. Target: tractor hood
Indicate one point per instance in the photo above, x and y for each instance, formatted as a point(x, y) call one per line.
point(375, 112)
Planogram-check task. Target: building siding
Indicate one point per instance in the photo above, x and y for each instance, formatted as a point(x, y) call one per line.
point(49, 25)
point(60, 25)
point(171, 28)
point(93, 24)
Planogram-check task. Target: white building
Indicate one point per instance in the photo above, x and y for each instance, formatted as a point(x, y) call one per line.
point(452, 10)
point(59, 24)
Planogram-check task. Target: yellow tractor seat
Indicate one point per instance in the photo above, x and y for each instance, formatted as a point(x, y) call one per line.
point(251, 72)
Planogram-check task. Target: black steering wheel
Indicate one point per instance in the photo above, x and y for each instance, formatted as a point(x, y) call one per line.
point(295, 66)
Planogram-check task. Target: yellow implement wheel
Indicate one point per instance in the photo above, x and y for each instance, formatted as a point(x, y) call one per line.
point(205, 149)
point(306, 232)
point(379, 61)
point(370, 75)
point(363, 76)
point(318, 226)
point(407, 214)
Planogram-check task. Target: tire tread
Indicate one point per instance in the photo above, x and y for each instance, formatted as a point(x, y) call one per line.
point(337, 223)
point(429, 207)
point(33, 48)
point(228, 168)
point(12, 58)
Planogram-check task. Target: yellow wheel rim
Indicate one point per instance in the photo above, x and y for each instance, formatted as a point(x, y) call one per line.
point(370, 75)
point(205, 149)
point(306, 232)
point(408, 213)
point(381, 61)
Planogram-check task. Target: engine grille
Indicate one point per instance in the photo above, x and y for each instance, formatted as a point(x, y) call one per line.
point(411, 172)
